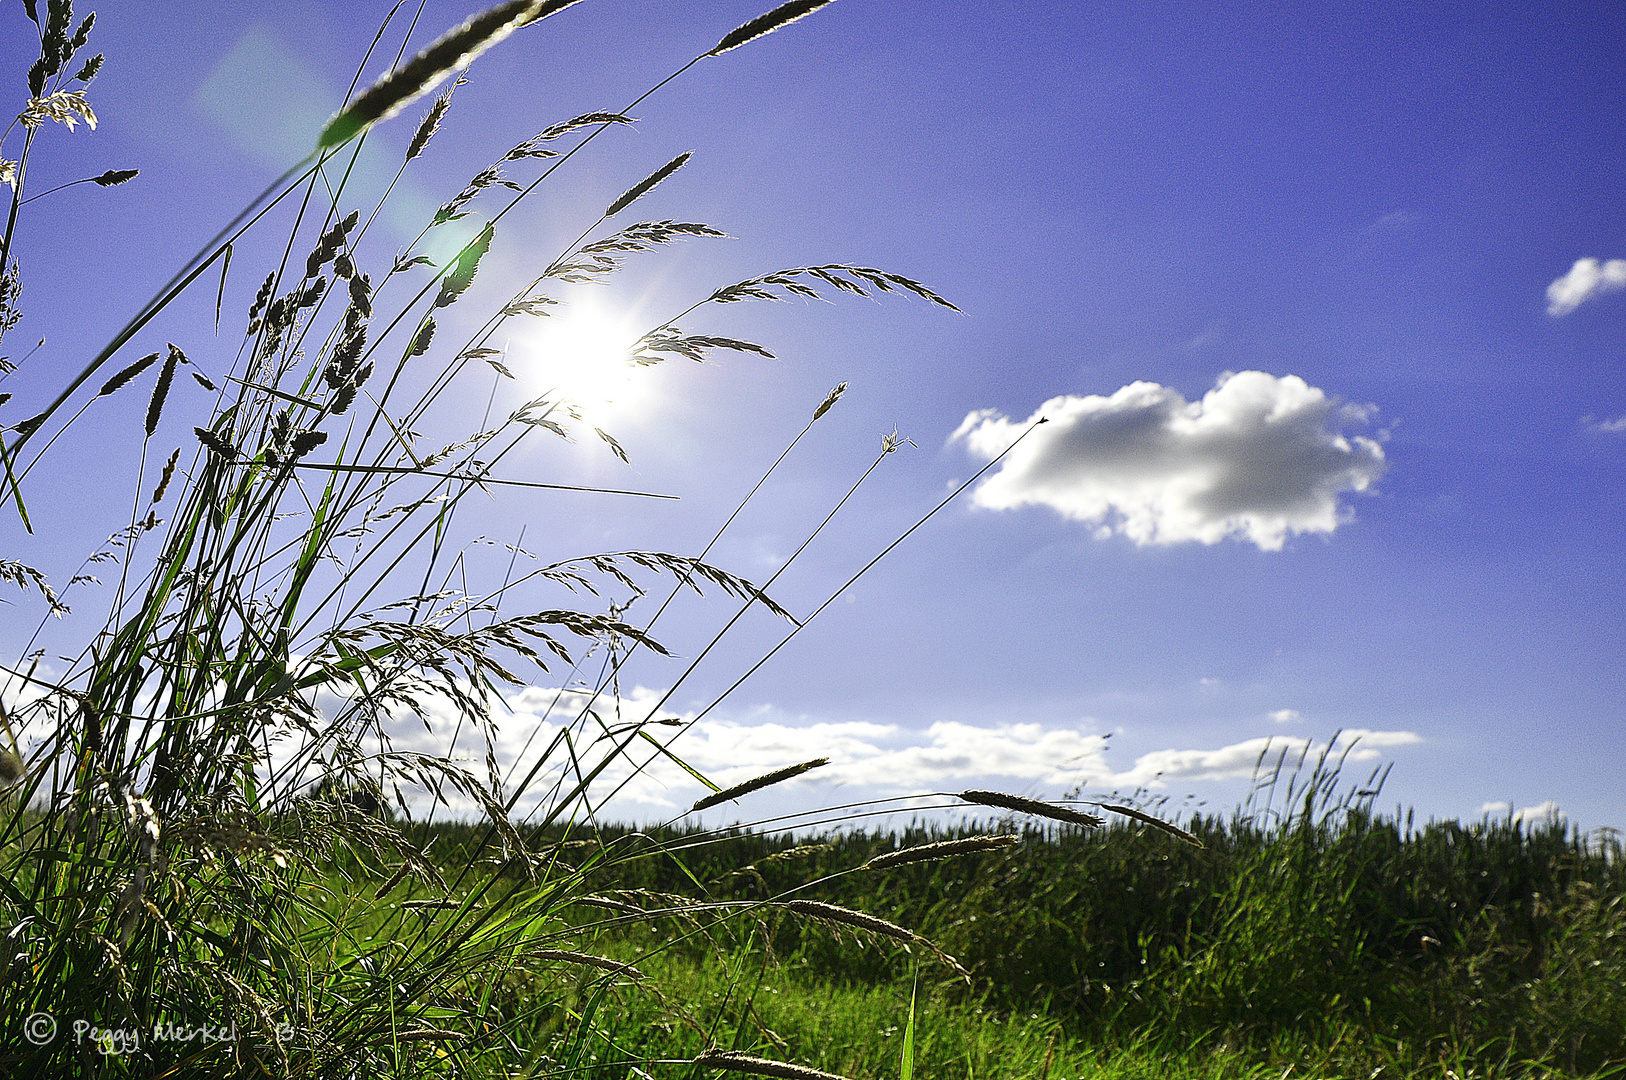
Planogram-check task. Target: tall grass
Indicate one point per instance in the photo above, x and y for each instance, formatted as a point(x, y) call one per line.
point(210, 864)
point(1309, 929)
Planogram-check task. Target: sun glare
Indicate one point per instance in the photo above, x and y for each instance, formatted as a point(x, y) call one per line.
point(580, 356)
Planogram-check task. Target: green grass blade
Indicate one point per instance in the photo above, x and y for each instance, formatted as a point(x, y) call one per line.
point(906, 1068)
point(16, 491)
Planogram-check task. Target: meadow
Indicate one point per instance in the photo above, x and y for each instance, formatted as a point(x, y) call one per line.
point(1309, 935)
point(214, 859)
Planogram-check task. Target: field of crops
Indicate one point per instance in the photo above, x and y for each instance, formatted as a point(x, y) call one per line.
point(1328, 938)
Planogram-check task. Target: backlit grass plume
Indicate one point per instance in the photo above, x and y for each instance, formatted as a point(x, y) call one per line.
point(209, 813)
point(450, 53)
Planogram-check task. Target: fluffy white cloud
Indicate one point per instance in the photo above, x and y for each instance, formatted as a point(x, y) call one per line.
point(1284, 716)
point(888, 758)
point(867, 760)
point(1259, 457)
point(1586, 279)
point(1540, 813)
point(1241, 759)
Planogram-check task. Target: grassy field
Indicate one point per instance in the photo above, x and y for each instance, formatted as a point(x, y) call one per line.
point(1319, 937)
point(197, 878)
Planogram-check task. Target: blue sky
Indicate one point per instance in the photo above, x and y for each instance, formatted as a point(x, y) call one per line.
point(1337, 416)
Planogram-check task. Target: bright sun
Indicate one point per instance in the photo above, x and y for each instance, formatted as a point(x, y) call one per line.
point(580, 357)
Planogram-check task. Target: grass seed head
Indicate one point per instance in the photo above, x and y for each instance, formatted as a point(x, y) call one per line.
point(945, 849)
point(430, 125)
point(730, 1061)
point(830, 400)
point(644, 186)
point(163, 481)
point(1031, 806)
point(160, 392)
point(452, 51)
point(127, 374)
point(766, 780)
point(830, 913)
point(1155, 822)
point(783, 15)
point(604, 963)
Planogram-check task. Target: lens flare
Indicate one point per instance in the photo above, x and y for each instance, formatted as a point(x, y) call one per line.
point(581, 357)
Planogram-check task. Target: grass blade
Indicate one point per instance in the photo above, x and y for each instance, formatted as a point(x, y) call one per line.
point(906, 1068)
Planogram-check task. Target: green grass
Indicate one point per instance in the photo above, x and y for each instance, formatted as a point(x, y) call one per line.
point(1331, 938)
point(1315, 935)
point(293, 575)
point(176, 844)
point(857, 1031)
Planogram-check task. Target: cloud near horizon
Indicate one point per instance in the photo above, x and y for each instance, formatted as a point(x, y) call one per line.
point(1258, 458)
point(867, 760)
point(1540, 813)
point(1587, 279)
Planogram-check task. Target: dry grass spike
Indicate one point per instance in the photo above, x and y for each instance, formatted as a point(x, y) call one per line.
point(643, 187)
point(155, 407)
point(1030, 806)
point(944, 849)
point(731, 1061)
point(163, 481)
point(783, 15)
point(1147, 819)
point(452, 51)
point(834, 396)
point(756, 784)
point(818, 909)
point(127, 374)
point(430, 124)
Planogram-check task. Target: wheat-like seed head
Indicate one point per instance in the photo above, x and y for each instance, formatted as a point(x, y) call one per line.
point(452, 51)
point(944, 849)
point(160, 391)
point(1154, 822)
point(644, 186)
point(430, 125)
point(1031, 806)
point(830, 399)
point(169, 472)
point(127, 374)
point(731, 1061)
point(782, 15)
point(817, 909)
point(777, 776)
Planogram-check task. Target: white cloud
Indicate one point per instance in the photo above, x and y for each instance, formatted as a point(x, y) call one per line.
point(1617, 426)
point(1586, 279)
point(867, 760)
point(1284, 716)
point(1241, 759)
point(1259, 457)
point(1540, 813)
